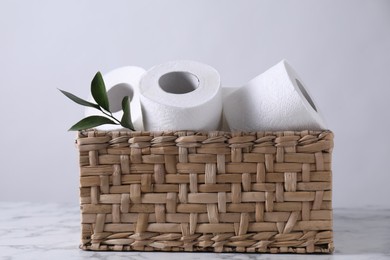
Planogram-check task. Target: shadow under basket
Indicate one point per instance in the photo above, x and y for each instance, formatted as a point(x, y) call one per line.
point(257, 192)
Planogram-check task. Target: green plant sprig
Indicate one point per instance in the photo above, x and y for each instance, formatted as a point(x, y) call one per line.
point(99, 94)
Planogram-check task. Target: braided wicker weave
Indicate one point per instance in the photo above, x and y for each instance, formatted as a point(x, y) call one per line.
point(206, 191)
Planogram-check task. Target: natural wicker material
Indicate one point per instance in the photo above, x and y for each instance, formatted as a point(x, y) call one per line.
point(211, 191)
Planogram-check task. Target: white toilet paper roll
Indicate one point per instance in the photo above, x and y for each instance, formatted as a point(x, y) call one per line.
point(181, 95)
point(119, 83)
point(274, 100)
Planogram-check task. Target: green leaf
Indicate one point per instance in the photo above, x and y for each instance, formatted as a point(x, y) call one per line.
point(90, 122)
point(126, 118)
point(98, 90)
point(78, 100)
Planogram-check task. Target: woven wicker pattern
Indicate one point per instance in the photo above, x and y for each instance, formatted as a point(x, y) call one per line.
point(212, 191)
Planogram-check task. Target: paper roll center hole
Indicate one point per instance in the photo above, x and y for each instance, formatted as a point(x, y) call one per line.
point(178, 82)
point(305, 94)
point(117, 93)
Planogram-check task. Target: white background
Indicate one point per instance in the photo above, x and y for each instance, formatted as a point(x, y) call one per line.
point(340, 48)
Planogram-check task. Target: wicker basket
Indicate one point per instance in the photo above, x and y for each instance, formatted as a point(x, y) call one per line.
point(206, 191)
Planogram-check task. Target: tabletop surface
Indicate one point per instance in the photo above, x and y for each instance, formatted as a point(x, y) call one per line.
point(52, 231)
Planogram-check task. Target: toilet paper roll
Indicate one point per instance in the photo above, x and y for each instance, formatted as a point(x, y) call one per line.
point(275, 100)
point(181, 95)
point(119, 83)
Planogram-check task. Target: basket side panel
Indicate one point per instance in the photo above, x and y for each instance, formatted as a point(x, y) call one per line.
point(264, 192)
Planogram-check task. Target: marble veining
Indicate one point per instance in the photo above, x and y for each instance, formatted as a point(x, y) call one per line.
point(51, 231)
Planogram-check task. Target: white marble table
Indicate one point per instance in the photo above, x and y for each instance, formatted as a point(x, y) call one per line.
point(51, 231)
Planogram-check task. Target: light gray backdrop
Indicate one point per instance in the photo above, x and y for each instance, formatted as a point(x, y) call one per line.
point(340, 48)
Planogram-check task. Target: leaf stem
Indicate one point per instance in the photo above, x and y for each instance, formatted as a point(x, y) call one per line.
point(110, 115)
